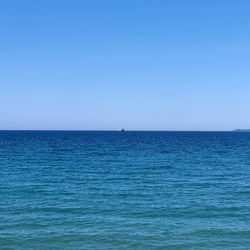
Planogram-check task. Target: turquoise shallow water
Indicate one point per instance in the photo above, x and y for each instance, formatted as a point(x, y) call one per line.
point(131, 190)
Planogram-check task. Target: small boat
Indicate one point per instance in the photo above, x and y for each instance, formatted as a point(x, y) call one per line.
point(120, 130)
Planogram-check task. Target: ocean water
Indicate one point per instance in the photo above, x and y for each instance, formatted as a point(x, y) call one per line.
point(131, 190)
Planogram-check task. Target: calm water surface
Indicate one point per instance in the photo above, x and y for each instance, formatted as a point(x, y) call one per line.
point(131, 190)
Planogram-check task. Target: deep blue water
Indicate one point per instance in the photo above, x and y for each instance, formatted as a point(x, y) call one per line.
point(131, 190)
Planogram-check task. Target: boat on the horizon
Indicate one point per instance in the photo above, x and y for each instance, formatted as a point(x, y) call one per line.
point(120, 130)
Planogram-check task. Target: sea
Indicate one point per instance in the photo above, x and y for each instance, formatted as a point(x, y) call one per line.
point(124, 190)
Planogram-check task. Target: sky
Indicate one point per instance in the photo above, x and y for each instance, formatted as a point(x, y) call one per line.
point(137, 64)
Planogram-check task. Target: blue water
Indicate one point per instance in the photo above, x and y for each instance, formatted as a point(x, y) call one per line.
point(131, 190)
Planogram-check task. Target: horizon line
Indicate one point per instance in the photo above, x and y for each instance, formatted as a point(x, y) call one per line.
point(110, 130)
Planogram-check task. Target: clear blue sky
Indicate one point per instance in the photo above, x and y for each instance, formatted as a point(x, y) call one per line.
point(146, 65)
